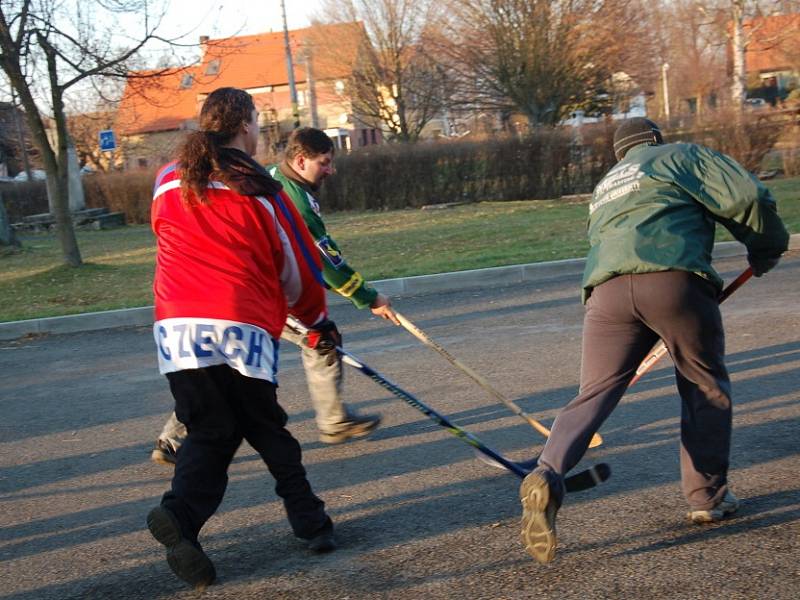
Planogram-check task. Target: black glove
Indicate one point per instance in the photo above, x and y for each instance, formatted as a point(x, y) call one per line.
point(762, 265)
point(324, 337)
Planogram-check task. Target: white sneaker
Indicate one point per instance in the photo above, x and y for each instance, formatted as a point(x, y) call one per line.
point(727, 506)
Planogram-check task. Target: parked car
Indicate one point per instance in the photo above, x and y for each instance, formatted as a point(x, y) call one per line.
point(36, 175)
point(755, 103)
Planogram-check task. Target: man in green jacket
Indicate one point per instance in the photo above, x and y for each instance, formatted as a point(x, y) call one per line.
point(308, 161)
point(649, 276)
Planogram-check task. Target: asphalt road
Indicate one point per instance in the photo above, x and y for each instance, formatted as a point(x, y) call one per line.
point(417, 516)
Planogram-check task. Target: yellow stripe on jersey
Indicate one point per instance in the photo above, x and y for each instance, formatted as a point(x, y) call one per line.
point(351, 285)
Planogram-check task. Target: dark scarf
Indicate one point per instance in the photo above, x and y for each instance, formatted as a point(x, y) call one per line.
point(244, 175)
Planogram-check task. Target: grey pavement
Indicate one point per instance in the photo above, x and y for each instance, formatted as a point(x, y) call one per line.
point(441, 282)
point(417, 516)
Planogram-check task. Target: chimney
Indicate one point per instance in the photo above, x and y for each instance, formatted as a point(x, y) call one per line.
point(203, 40)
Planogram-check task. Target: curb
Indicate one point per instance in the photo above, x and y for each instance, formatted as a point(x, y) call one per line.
point(404, 286)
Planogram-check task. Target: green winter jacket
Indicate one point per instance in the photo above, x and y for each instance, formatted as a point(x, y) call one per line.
point(656, 211)
point(339, 276)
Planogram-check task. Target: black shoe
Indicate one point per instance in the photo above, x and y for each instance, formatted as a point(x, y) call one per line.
point(324, 542)
point(164, 454)
point(185, 557)
point(357, 427)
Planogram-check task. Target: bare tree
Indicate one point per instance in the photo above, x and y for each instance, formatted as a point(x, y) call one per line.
point(395, 82)
point(741, 27)
point(693, 46)
point(539, 57)
point(48, 47)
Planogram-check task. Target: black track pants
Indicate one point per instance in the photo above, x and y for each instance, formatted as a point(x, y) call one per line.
point(220, 407)
point(624, 318)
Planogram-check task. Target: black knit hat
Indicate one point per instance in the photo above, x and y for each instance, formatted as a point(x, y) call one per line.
point(634, 132)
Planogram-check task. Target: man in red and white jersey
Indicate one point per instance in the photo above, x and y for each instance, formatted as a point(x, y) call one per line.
point(234, 258)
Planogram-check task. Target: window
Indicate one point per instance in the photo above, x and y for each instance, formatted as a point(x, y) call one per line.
point(259, 90)
point(187, 80)
point(212, 68)
point(141, 163)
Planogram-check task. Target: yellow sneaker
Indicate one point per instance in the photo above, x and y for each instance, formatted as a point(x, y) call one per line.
point(539, 508)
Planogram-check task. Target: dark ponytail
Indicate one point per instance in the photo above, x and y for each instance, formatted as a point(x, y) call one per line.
point(222, 115)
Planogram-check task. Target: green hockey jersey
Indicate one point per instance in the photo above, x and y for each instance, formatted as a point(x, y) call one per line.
point(338, 275)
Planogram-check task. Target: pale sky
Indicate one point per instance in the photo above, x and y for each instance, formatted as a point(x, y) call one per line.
point(223, 18)
point(189, 19)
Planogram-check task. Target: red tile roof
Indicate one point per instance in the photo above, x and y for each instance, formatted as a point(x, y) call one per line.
point(774, 43)
point(162, 103)
point(157, 103)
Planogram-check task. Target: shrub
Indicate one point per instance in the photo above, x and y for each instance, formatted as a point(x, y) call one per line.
point(24, 198)
point(745, 137)
point(546, 164)
point(130, 192)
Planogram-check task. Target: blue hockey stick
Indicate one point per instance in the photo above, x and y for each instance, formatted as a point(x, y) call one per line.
point(580, 481)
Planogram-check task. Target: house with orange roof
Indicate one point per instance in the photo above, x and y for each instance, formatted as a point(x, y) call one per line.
point(159, 107)
point(772, 55)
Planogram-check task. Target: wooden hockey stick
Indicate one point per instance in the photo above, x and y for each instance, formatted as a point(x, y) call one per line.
point(574, 483)
point(423, 337)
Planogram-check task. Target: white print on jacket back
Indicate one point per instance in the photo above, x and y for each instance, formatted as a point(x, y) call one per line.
point(620, 181)
point(194, 343)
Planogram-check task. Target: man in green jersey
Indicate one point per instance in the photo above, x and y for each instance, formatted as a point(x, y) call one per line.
point(648, 275)
point(308, 160)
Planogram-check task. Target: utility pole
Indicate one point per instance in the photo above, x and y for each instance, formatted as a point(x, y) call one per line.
point(311, 87)
point(290, 69)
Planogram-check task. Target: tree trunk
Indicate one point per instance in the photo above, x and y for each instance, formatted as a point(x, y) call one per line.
point(58, 191)
point(55, 166)
point(7, 237)
point(58, 163)
point(738, 46)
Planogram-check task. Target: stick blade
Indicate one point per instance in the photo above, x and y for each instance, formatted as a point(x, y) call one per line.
point(596, 441)
point(589, 478)
point(584, 480)
point(527, 465)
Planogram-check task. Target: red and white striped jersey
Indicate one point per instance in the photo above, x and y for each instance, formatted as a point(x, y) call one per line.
point(227, 274)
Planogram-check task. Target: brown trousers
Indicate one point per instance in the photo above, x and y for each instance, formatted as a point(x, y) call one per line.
point(624, 318)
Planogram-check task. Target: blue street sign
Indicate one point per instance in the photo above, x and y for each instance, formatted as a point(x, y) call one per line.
point(107, 140)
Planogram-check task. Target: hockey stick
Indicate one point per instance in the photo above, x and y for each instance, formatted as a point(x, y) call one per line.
point(660, 349)
point(425, 339)
point(580, 481)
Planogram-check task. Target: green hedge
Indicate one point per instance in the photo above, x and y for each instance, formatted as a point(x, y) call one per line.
point(548, 163)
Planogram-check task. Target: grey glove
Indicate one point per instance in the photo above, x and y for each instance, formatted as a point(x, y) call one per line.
point(762, 265)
